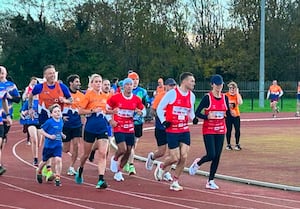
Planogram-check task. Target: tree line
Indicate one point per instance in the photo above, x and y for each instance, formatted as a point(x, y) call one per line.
point(156, 38)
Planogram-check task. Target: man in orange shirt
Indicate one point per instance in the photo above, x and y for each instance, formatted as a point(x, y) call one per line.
point(160, 132)
point(235, 100)
point(274, 94)
point(160, 88)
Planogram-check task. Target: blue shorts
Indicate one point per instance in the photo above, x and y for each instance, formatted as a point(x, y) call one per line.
point(174, 139)
point(72, 133)
point(51, 152)
point(128, 138)
point(161, 137)
point(92, 137)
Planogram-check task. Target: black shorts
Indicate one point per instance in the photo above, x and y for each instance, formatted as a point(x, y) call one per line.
point(38, 126)
point(161, 137)
point(174, 139)
point(1, 131)
point(138, 130)
point(92, 137)
point(128, 138)
point(72, 133)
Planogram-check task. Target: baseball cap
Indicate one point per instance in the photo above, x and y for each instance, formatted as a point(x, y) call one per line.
point(126, 81)
point(133, 75)
point(216, 79)
point(170, 82)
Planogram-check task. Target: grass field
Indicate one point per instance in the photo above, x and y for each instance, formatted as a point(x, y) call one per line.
point(288, 105)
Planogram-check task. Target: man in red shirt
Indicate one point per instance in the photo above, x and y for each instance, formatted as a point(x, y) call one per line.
point(123, 105)
point(174, 111)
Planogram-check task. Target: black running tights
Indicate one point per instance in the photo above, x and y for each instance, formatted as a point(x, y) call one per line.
point(214, 146)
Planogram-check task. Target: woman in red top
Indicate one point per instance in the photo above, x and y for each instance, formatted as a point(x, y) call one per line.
point(216, 108)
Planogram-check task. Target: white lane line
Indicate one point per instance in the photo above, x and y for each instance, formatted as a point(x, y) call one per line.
point(44, 196)
point(94, 202)
point(10, 206)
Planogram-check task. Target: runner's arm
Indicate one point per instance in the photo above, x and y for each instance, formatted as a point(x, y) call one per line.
point(169, 98)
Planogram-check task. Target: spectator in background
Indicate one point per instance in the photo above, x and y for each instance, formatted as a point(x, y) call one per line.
point(298, 100)
point(233, 119)
point(114, 85)
point(160, 87)
point(274, 94)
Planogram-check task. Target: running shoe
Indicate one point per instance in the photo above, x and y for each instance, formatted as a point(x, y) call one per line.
point(126, 168)
point(114, 165)
point(44, 171)
point(194, 167)
point(57, 182)
point(28, 143)
point(131, 170)
point(2, 170)
point(118, 176)
point(175, 186)
point(297, 114)
point(237, 147)
point(211, 185)
point(167, 177)
point(49, 176)
point(101, 184)
point(39, 176)
point(78, 179)
point(228, 147)
point(35, 162)
point(71, 171)
point(159, 172)
point(92, 156)
point(149, 161)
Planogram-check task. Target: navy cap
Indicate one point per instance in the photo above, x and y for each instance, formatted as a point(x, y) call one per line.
point(216, 79)
point(170, 82)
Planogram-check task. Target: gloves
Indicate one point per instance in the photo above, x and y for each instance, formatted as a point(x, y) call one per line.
point(195, 120)
point(166, 124)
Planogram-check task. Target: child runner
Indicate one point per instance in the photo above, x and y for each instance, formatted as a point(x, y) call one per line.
point(52, 131)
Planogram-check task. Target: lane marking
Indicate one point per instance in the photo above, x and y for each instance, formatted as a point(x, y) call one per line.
point(44, 196)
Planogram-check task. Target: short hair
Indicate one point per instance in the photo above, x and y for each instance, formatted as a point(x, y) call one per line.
point(232, 83)
point(114, 80)
point(72, 77)
point(51, 108)
point(184, 75)
point(47, 67)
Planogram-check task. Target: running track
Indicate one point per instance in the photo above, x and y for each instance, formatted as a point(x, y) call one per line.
point(20, 190)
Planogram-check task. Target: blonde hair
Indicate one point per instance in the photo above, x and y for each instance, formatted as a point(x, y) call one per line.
point(52, 107)
point(232, 83)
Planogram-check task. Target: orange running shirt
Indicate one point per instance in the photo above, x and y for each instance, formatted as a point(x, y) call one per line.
point(233, 104)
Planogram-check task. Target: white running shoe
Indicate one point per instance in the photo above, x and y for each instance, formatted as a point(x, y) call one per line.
point(149, 161)
point(71, 171)
point(158, 173)
point(175, 186)
point(114, 165)
point(167, 177)
point(118, 176)
point(194, 167)
point(211, 185)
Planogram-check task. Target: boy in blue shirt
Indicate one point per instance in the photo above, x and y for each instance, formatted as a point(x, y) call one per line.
point(52, 130)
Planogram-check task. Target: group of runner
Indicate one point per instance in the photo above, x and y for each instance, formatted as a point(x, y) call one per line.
point(53, 111)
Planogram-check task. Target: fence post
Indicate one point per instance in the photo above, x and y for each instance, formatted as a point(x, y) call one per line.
point(252, 99)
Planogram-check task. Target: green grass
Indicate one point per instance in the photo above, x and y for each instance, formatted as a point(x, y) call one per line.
point(286, 105)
